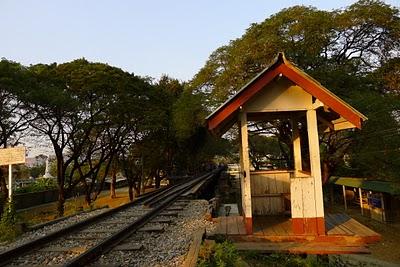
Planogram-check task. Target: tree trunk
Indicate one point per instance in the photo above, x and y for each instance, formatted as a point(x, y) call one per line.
point(157, 183)
point(130, 192)
point(143, 187)
point(3, 190)
point(326, 172)
point(137, 190)
point(113, 182)
point(61, 201)
point(88, 199)
point(3, 184)
point(61, 190)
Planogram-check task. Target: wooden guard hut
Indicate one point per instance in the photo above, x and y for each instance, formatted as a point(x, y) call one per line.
point(284, 91)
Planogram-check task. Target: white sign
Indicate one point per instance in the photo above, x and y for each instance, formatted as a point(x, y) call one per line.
point(14, 155)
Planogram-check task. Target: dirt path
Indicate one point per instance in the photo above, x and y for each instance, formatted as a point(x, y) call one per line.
point(47, 212)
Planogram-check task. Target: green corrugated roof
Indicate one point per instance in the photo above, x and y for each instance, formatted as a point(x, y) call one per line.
point(372, 185)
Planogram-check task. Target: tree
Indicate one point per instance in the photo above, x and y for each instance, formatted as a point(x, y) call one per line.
point(266, 151)
point(347, 50)
point(78, 106)
point(13, 116)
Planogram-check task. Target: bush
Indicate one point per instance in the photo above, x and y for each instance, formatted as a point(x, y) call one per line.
point(286, 260)
point(3, 201)
point(9, 229)
point(41, 184)
point(218, 254)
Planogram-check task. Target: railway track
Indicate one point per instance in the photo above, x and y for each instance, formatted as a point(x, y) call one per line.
point(84, 242)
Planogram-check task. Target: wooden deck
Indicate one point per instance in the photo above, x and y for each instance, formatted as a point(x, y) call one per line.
point(344, 235)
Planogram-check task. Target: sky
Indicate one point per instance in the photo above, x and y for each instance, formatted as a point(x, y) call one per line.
point(148, 38)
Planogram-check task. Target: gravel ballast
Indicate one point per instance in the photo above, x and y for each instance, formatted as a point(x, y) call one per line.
point(40, 232)
point(168, 248)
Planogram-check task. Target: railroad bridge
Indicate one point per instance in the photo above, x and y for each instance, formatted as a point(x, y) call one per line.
point(283, 91)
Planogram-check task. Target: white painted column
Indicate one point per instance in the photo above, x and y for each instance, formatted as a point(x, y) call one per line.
point(301, 191)
point(383, 208)
point(241, 170)
point(313, 140)
point(246, 172)
point(297, 198)
point(344, 197)
point(361, 200)
point(296, 148)
point(10, 183)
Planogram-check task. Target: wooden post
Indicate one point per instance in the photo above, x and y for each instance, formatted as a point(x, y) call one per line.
point(296, 147)
point(383, 208)
point(241, 170)
point(246, 173)
point(313, 141)
point(10, 183)
point(344, 197)
point(361, 200)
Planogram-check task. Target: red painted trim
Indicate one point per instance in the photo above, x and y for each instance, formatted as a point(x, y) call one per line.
point(321, 226)
point(308, 226)
point(245, 95)
point(248, 222)
point(298, 78)
point(315, 90)
point(298, 226)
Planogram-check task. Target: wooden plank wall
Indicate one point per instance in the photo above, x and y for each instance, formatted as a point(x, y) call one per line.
point(268, 191)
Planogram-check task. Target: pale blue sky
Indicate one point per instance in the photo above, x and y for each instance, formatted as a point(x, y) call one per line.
point(146, 37)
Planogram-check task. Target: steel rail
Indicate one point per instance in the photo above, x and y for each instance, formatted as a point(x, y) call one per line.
point(103, 247)
point(13, 253)
point(153, 200)
point(161, 198)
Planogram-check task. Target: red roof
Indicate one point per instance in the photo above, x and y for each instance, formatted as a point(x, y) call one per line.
point(282, 66)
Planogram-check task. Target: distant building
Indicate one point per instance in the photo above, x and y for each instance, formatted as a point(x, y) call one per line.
point(36, 161)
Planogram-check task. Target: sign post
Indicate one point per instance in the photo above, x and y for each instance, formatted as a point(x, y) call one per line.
point(10, 184)
point(10, 156)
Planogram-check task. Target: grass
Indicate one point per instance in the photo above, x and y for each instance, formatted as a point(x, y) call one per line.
point(218, 254)
point(9, 233)
point(222, 253)
point(9, 229)
point(282, 260)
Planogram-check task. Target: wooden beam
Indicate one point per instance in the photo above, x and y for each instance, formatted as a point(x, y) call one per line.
point(246, 197)
point(324, 96)
point(361, 200)
point(343, 126)
point(243, 97)
point(326, 122)
point(241, 169)
point(383, 208)
point(313, 142)
point(193, 253)
point(296, 147)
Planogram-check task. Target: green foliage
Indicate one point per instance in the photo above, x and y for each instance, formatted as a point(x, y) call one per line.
point(188, 115)
point(352, 51)
point(375, 150)
point(220, 255)
point(9, 215)
point(267, 151)
point(3, 201)
point(327, 45)
point(283, 260)
point(37, 171)
point(9, 230)
point(41, 184)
